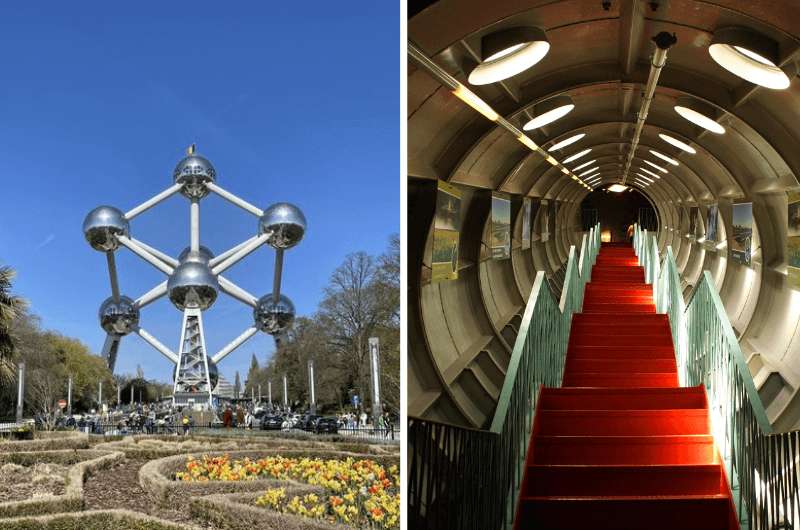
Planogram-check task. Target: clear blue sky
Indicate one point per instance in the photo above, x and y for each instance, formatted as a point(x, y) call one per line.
point(98, 101)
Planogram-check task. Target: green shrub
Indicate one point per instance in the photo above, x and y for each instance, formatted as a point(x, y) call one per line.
point(92, 520)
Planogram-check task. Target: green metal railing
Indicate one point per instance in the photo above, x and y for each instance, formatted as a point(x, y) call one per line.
point(763, 466)
point(462, 478)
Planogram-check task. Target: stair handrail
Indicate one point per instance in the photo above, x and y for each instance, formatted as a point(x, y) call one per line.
point(763, 465)
point(478, 473)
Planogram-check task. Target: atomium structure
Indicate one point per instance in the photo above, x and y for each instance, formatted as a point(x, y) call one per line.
point(194, 279)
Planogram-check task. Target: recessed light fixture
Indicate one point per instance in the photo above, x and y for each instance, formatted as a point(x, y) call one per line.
point(677, 143)
point(654, 175)
point(698, 114)
point(664, 157)
point(584, 165)
point(568, 141)
point(549, 111)
point(751, 56)
point(661, 169)
point(617, 188)
point(640, 183)
point(648, 179)
point(509, 52)
point(589, 172)
point(577, 156)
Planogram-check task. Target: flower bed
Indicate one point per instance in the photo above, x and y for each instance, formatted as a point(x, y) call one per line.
point(80, 462)
point(357, 492)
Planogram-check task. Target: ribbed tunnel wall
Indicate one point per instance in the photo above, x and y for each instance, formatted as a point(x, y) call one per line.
point(461, 332)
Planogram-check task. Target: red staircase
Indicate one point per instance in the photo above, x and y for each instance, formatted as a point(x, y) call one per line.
point(621, 446)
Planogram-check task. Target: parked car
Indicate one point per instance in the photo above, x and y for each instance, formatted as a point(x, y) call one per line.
point(271, 423)
point(326, 425)
point(308, 421)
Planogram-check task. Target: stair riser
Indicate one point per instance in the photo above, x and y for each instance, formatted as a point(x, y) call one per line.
point(620, 399)
point(580, 481)
point(594, 451)
point(621, 308)
point(652, 514)
point(623, 423)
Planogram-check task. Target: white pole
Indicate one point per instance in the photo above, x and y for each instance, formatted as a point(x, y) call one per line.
point(259, 393)
point(100, 395)
point(169, 260)
point(285, 393)
point(311, 386)
point(230, 252)
point(154, 342)
point(119, 396)
point(375, 379)
point(276, 281)
point(234, 291)
point(269, 392)
point(233, 199)
point(195, 224)
point(69, 396)
point(155, 200)
point(20, 391)
point(152, 295)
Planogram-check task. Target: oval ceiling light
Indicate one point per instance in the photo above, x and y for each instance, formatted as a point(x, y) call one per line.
point(697, 114)
point(655, 175)
point(576, 156)
point(509, 52)
point(617, 188)
point(584, 165)
point(664, 157)
point(549, 111)
point(661, 169)
point(751, 56)
point(568, 141)
point(677, 143)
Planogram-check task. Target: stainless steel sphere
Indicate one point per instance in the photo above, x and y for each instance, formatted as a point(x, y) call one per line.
point(119, 318)
point(285, 223)
point(194, 172)
point(192, 285)
point(204, 255)
point(271, 317)
point(101, 227)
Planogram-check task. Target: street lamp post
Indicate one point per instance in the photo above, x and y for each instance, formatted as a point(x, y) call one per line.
point(375, 378)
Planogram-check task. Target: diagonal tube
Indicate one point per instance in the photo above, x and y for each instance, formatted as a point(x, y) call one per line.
point(236, 201)
point(146, 205)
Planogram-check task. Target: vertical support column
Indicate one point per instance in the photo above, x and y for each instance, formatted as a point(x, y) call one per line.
point(99, 396)
point(259, 393)
point(276, 281)
point(375, 378)
point(20, 391)
point(192, 378)
point(252, 394)
point(131, 394)
point(269, 392)
point(311, 394)
point(195, 224)
point(285, 393)
point(119, 396)
point(69, 396)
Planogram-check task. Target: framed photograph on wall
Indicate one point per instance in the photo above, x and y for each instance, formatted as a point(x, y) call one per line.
point(446, 231)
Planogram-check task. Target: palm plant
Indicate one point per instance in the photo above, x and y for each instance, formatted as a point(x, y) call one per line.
point(11, 307)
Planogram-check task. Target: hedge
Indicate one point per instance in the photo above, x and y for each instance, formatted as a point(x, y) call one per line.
point(239, 512)
point(46, 441)
point(72, 499)
point(93, 520)
point(156, 477)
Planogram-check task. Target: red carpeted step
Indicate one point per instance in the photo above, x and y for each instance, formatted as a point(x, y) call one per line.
point(623, 480)
point(623, 422)
point(583, 351)
point(622, 308)
point(632, 450)
point(706, 512)
point(622, 398)
point(604, 337)
point(612, 318)
point(632, 380)
point(640, 366)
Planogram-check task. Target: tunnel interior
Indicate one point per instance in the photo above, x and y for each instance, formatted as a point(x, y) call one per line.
point(617, 212)
point(695, 146)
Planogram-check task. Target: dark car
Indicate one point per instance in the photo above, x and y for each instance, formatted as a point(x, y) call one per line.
point(307, 422)
point(271, 423)
point(327, 425)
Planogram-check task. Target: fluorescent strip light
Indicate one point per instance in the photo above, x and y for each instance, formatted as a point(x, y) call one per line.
point(664, 157)
point(564, 143)
point(469, 97)
point(588, 171)
point(661, 169)
point(677, 143)
point(648, 179)
point(577, 155)
point(699, 119)
point(654, 175)
point(584, 165)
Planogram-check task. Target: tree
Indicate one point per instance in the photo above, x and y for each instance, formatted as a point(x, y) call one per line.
point(11, 306)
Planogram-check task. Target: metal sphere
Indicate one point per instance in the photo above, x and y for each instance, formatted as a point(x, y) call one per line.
point(271, 317)
point(192, 285)
point(204, 255)
point(119, 318)
point(285, 223)
point(194, 172)
point(101, 227)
